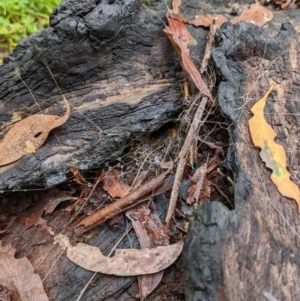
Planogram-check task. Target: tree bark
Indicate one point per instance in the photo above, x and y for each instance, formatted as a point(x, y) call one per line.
point(252, 250)
point(118, 71)
point(121, 76)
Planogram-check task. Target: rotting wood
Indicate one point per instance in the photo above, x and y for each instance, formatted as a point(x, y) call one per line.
point(253, 249)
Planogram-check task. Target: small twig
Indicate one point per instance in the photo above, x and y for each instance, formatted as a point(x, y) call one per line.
point(227, 177)
point(100, 178)
point(115, 208)
point(182, 157)
point(180, 213)
point(139, 179)
point(209, 46)
point(223, 194)
point(82, 194)
point(52, 266)
point(110, 253)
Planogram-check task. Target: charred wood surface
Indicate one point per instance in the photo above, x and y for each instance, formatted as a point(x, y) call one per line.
point(117, 69)
point(254, 249)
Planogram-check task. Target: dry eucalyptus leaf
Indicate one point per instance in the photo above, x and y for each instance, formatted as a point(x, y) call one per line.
point(125, 262)
point(18, 275)
point(142, 221)
point(35, 129)
point(272, 153)
point(46, 203)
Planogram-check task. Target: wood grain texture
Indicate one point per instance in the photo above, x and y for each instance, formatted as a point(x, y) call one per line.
point(240, 254)
point(117, 70)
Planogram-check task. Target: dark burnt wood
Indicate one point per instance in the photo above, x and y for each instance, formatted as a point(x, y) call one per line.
point(117, 69)
point(254, 249)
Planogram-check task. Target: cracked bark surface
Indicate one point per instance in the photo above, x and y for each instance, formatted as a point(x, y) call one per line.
point(116, 68)
point(254, 249)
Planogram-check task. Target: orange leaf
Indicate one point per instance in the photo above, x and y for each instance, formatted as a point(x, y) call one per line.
point(180, 39)
point(113, 185)
point(29, 134)
point(272, 153)
point(256, 14)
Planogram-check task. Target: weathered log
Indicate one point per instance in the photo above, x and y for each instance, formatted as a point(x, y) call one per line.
point(117, 69)
point(253, 250)
point(120, 74)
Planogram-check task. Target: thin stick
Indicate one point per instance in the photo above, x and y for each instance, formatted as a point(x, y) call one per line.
point(223, 194)
point(111, 251)
point(88, 198)
point(182, 157)
point(115, 208)
point(209, 46)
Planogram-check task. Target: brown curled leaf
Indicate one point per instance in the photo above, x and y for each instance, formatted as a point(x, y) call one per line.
point(125, 262)
point(197, 186)
point(18, 275)
point(141, 217)
point(31, 131)
point(46, 203)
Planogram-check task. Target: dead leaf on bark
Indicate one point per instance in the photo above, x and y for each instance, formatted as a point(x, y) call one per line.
point(113, 184)
point(256, 14)
point(139, 218)
point(180, 39)
point(47, 203)
point(125, 262)
point(18, 275)
point(28, 134)
point(272, 154)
